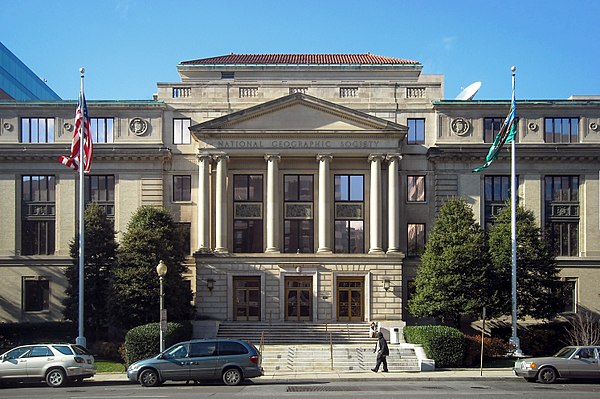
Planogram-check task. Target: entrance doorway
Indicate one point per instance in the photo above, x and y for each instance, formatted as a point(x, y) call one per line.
point(246, 301)
point(298, 295)
point(350, 294)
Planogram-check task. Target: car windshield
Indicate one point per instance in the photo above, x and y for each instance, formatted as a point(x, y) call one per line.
point(565, 353)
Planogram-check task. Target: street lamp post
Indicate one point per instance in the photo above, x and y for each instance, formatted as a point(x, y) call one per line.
point(161, 270)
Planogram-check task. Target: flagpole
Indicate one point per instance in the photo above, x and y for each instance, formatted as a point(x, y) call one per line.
point(514, 340)
point(81, 337)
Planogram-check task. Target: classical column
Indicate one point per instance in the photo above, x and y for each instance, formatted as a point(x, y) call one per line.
point(203, 203)
point(375, 204)
point(221, 222)
point(324, 204)
point(393, 204)
point(272, 203)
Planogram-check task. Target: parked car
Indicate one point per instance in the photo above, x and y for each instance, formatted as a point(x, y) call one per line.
point(232, 361)
point(57, 364)
point(569, 362)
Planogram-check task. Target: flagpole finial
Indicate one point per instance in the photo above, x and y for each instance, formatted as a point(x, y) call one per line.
point(82, 70)
point(513, 68)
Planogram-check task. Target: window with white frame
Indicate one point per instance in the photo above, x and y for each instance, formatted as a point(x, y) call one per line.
point(37, 130)
point(102, 130)
point(181, 131)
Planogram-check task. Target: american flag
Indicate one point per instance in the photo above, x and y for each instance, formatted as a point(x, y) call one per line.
point(72, 160)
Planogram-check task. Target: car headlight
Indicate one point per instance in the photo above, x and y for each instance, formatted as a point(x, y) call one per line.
point(528, 365)
point(133, 367)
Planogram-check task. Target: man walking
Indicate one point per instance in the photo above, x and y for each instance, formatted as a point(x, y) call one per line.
point(382, 352)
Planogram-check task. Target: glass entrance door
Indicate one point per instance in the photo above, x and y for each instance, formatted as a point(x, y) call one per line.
point(246, 291)
point(298, 294)
point(350, 293)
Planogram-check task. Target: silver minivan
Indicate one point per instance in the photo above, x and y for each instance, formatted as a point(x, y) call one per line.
point(231, 361)
point(57, 364)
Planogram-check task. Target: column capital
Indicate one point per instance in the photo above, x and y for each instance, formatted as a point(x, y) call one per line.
point(272, 157)
point(376, 157)
point(204, 157)
point(393, 157)
point(220, 157)
point(324, 157)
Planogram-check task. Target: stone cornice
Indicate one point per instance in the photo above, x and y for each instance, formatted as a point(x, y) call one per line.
point(16, 153)
point(524, 152)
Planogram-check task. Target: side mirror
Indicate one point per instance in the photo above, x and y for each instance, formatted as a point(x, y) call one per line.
point(576, 357)
point(3, 358)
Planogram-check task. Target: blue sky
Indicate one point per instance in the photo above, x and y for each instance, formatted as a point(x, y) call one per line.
point(127, 46)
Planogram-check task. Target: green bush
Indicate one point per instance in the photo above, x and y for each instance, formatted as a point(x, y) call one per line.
point(492, 348)
point(15, 334)
point(143, 341)
point(445, 345)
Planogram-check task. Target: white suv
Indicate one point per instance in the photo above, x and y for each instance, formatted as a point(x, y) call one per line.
point(57, 364)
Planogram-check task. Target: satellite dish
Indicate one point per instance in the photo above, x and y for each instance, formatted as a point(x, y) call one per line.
point(469, 92)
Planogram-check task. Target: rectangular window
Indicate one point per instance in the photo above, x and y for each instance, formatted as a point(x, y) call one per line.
point(37, 130)
point(248, 214)
point(181, 131)
point(101, 190)
point(182, 188)
point(102, 130)
point(561, 197)
point(416, 188)
point(184, 230)
point(227, 75)
point(416, 130)
point(298, 228)
point(36, 294)
point(561, 130)
point(496, 194)
point(570, 295)
point(491, 127)
point(349, 211)
point(38, 210)
point(416, 239)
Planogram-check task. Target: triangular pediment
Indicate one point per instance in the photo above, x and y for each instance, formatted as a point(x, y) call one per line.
point(298, 112)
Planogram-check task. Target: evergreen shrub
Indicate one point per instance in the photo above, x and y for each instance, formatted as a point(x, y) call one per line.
point(445, 345)
point(143, 341)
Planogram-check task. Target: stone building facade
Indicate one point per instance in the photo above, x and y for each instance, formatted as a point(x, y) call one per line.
point(307, 183)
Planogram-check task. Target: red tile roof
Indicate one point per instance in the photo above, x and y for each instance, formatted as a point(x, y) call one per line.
point(300, 59)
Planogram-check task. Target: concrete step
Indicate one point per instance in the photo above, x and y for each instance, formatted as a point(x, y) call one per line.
point(296, 333)
point(307, 358)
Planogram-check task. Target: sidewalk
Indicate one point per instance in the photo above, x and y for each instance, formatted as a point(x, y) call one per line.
point(290, 377)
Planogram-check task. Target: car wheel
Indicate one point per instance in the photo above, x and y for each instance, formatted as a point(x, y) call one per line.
point(232, 376)
point(149, 378)
point(547, 375)
point(56, 378)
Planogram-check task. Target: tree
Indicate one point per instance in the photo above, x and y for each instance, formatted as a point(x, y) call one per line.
point(99, 260)
point(151, 236)
point(539, 293)
point(451, 280)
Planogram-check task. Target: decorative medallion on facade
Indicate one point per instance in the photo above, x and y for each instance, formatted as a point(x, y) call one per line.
point(460, 126)
point(533, 126)
point(594, 126)
point(68, 127)
point(7, 126)
point(138, 126)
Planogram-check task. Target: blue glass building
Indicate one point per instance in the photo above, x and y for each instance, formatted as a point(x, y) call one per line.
point(18, 82)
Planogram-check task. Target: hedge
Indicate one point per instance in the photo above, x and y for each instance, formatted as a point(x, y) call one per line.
point(445, 345)
point(143, 341)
